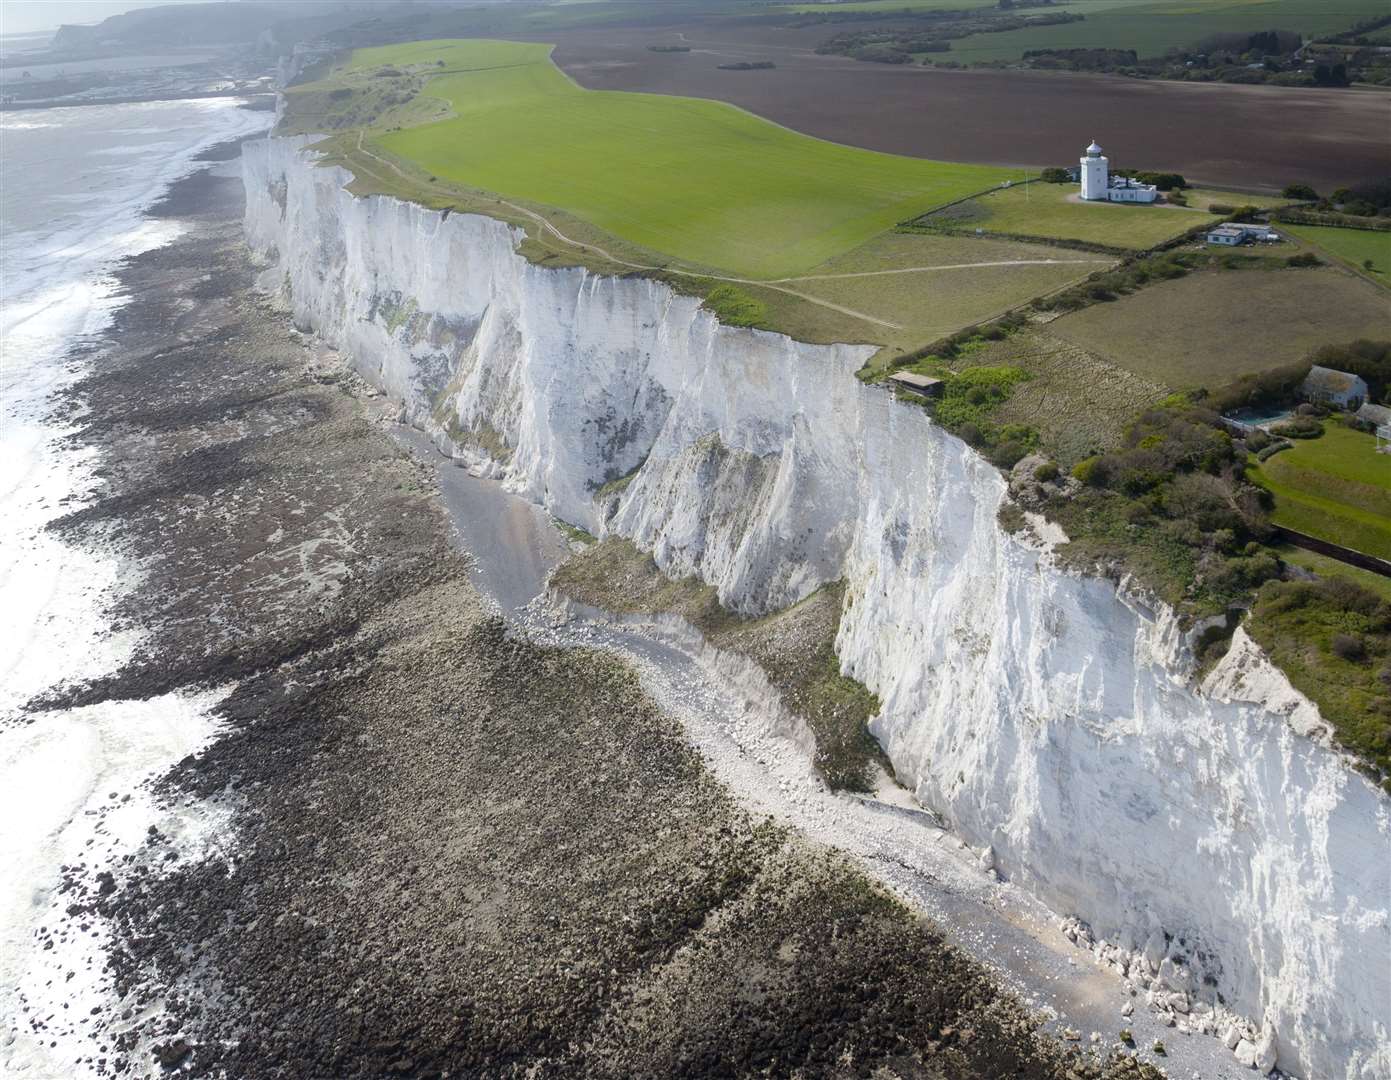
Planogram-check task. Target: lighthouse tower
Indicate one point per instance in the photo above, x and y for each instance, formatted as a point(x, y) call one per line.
point(1095, 169)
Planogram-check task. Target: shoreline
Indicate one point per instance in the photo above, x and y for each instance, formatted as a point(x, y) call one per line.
point(452, 848)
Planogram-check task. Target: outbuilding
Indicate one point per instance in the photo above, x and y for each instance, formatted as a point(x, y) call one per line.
point(921, 385)
point(1226, 236)
point(1232, 233)
point(1341, 389)
point(1374, 416)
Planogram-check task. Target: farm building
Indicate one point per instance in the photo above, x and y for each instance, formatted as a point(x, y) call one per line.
point(1233, 233)
point(1098, 185)
point(922, 385)
point(1374, 416)
point(1338, 388)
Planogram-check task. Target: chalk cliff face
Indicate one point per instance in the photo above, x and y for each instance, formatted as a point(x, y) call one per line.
point(1201, 834)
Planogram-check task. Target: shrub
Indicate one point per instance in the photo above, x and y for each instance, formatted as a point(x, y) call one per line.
point(1349, 647)
point(1091, 471)
point(1220, 208)
point(1008, 453)
point(1257, 441)
point(1273, 449)
point(1054, 176)
point(1239, 574)
point(734, 307)
point(1302, 192)
point(1298, 427)
point(1304, 258)
point(1046, 472)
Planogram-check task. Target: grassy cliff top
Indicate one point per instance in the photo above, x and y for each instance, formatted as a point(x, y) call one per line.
point(701, 181)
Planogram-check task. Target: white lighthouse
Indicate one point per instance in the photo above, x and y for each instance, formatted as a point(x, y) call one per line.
point(1098, 185)
point(1095, 173)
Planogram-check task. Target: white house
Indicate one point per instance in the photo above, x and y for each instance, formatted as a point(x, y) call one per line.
point(1341, 389)
point(1233, 233)
point(1098, 185)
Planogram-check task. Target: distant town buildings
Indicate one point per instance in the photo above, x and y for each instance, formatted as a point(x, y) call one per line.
point(1340, 389)
point(1098, 185)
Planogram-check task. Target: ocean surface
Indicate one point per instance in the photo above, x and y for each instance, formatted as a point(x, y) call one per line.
point(74, 187)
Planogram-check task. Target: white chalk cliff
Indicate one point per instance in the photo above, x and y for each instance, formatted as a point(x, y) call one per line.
point(1203, 834)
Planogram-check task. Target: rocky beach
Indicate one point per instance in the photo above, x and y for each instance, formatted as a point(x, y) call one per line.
point(423, 844)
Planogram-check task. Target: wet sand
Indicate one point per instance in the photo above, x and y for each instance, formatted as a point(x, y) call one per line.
point(447, 849)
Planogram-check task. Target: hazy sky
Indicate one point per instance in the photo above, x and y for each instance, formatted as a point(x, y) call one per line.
point(22, 16)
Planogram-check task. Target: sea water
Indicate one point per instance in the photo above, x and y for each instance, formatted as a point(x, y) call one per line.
point(74, 187)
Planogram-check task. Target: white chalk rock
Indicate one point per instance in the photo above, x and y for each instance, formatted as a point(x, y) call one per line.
point(1155, 949)
point(1266, 1050)
point(1047, 714)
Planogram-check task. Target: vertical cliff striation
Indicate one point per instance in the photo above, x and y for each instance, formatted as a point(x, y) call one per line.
point(1213, 845)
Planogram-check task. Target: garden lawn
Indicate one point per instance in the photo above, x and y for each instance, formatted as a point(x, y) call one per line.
point(1351, 246)
point(1046, 210)
point(698, 180)
point(1335, 487)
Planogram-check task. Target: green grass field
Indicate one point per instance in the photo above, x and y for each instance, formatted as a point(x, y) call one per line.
point(1211, 327)
point(1335, 487)
point(1352, 247)
point(1151, 27)
point(925, 285)
point(1326, 567)
point(1051, 210)
point(1202, 198)
point(697, 180)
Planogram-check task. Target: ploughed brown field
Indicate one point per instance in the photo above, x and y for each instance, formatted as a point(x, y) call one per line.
point(1255, 137)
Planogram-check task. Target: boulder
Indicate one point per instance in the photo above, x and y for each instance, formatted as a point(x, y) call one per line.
point(1266, 1050)
point(1155, 948)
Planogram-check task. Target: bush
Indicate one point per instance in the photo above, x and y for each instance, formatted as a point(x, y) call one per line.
point(1008, 454)
point(1257, 441)
point(1302, 192)
point(734, 307)
point(970, 433)
point(1091, 471)
point(1298, 427)
point(1046, 472)
point(1349, 647)
point(1273, 449)
point(1220, 208)
point(1054, 176)
point(1304, 258)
